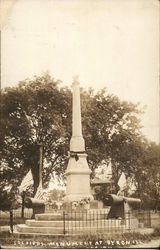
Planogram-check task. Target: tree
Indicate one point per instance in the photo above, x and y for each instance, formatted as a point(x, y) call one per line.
point(56, 194)
point(33, 112)
point(147, 177)
point(112, 131)
point(39, 111)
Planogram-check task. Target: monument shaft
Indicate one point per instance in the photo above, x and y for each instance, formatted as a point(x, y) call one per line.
point(76, 119)
point(77, 142)
point(78, 172)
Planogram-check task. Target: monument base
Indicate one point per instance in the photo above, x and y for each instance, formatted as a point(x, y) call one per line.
point(77, 197)
point(78, 179)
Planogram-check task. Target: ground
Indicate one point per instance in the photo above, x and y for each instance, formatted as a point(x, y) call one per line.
point(150, 244)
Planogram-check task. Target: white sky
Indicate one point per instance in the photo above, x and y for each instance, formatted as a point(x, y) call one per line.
point(111, 43)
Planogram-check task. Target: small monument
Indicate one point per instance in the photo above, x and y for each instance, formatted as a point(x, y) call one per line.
point(78, 172)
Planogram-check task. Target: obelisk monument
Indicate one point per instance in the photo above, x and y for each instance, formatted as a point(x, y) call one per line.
point(78, 172)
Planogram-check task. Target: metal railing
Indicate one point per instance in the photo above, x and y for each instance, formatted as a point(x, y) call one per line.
point(88, 221)
point(17, 213)
point(13, 217)
point(144, 217)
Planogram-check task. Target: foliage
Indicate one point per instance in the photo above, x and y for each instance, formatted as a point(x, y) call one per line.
point(147, 177)
point(112, 130)
point(55, 195)
point(32, 113)
point(81, 203)
point(8, 200)
point(101, 191)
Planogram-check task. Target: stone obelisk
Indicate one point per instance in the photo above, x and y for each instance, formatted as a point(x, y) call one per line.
point(78, 172)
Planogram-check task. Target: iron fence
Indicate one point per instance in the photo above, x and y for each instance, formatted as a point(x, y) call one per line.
point(17, 213)
point(90, 222)
point(13, 217)
point(144, 218)
point(87, 221)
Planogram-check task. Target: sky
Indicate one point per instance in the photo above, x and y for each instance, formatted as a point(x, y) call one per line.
point(108, 43)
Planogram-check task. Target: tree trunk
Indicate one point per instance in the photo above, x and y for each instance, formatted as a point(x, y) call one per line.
point(35, 173)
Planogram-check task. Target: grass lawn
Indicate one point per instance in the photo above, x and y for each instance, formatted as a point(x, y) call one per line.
point(82, 241)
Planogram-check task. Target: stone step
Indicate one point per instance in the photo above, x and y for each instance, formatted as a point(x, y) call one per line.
point(40, 221)
point(49, 217)
point(22, 228)
point(73, 224)
point(37, 236)
point(70, 216)
point(43, 223)
point(60, 217)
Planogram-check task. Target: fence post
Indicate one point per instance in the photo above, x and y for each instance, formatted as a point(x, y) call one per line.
point(23, 198)
point(129, 221)
point(64, 223)
point(11, 220)
point(149, 218)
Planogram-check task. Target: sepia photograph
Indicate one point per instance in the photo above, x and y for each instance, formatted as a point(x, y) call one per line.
point(80, 124)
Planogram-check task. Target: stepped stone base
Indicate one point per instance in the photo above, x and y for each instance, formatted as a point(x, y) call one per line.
point(53, 224)
point(43, 224)
point(75, 223)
